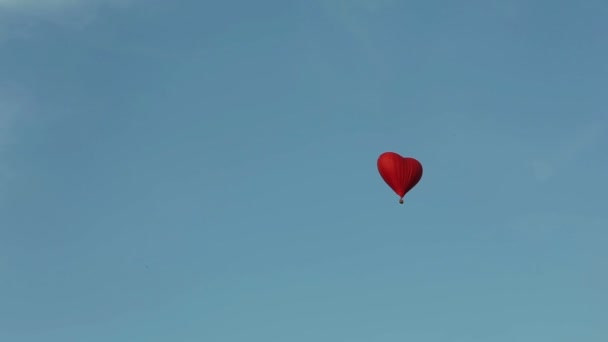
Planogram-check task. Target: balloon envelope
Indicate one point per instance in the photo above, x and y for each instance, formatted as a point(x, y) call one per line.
point(400, 173)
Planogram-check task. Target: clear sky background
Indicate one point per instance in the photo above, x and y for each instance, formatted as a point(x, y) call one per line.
point(206, 171)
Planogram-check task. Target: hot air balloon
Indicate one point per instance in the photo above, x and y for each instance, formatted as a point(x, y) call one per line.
point(400, 173)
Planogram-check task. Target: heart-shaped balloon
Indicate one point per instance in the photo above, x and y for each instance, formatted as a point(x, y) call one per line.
point(400, 173)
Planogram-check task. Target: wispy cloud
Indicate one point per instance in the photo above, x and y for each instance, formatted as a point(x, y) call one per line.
point(545, 225)
point(355, 15)
point(24, 5)
point(580, 236)
point(583, 138)
point(359, 20)
point(11, 111)
point(19, 16)
point(35, 3)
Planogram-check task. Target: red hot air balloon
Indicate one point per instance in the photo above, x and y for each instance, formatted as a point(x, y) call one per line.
point(400, 173)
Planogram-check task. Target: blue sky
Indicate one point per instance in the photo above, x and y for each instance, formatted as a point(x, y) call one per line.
point(198, 171)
